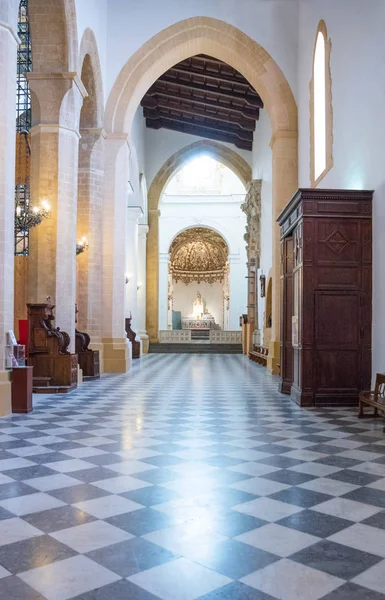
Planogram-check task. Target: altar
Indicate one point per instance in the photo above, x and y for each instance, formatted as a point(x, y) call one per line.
point(199, 323)
point(199, 318)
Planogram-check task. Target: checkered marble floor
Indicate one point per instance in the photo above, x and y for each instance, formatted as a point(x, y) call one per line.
point(189, 478)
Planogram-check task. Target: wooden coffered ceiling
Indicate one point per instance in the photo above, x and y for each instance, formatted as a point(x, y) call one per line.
point(206, 97)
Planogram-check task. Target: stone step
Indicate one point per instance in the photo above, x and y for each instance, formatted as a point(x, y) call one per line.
point(195, 348)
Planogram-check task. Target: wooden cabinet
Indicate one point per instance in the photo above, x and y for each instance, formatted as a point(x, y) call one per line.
point(326, 307)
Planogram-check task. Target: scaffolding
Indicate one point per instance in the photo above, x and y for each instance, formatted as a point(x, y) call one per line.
point(23, 126)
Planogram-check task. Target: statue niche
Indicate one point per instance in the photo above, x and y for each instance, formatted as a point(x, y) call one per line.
point(55, 368)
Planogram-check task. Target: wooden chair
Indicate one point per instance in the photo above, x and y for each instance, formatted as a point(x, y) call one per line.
point(376, 398)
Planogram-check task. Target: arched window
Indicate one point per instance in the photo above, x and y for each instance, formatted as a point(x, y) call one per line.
point(321, 115)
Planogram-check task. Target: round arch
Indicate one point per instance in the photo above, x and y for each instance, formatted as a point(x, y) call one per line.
point(200, 35)
point(223, 154)
point(228, 157)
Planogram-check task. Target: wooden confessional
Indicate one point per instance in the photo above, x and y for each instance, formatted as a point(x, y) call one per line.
point(326, 296)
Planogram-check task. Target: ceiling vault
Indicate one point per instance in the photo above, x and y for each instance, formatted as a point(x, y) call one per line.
point(205, 97)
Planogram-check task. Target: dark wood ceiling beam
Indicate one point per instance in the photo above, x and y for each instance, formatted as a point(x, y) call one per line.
point(150, 105)
point(249, 99)
point(200, 132)
point(233, 130)
point(158, 92)
point(217, 77)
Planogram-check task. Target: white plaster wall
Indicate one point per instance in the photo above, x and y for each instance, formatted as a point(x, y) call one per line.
point(272, 23)
point(212, 296)
point(262, 169)
point(163, 143)
point(93, 14)
point(356, 30)
point(137, 161)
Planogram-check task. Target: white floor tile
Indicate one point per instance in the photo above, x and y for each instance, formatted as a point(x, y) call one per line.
point(68, 578)
point(287, 580)
point(91, 536)
point(277, 539)
point(180, 579)
point(24, 505)
point(267, 509)
point(346, 509)
point(362, 537)
point(16, 530)
point(108, 506)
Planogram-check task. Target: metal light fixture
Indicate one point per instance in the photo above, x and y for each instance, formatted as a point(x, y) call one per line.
point(81, 245)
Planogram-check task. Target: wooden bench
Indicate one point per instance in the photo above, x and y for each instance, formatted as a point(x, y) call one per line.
point(376, 398)
point(259, 355)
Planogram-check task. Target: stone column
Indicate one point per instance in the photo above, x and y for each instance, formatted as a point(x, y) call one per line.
point(284, 145)
point(152, 275)
point(115, 343)
point(236, 283)
point(133, 215)
point(56, 102)
point(141, 320)
point(8, 48)
point(164, 258)
point(89, 225)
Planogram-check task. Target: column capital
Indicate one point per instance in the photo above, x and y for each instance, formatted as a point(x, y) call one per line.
point(282, 135)
point(51, 102)
point(97, 132)
point(134, 213)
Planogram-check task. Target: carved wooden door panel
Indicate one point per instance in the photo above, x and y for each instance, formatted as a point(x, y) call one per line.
point(287, 314)
point(337, 344)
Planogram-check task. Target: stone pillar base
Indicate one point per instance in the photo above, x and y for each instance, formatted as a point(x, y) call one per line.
point(274, 358)
point(5, 394)
point(97, 344)
point(144, 342)
point(116, 355)
point(80, 376)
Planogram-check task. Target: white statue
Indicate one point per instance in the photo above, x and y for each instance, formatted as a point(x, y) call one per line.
point(198, 308)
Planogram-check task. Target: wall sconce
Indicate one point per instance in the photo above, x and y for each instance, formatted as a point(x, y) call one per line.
point(82, 245)
point(128, 277)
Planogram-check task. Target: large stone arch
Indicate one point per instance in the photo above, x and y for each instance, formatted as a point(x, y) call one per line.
point(204, 35)
point(199, 35)
point(223, 154)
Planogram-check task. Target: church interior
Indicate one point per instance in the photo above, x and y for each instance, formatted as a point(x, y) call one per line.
point(192, 283)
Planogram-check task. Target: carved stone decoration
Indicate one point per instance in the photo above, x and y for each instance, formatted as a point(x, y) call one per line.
point(252, 209)
point(198, 254)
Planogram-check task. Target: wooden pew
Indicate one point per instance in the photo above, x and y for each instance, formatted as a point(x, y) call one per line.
point(259, 355)
point(375, 399)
